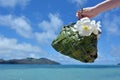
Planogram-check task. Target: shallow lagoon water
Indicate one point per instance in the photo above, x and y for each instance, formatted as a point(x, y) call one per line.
point(59, 72)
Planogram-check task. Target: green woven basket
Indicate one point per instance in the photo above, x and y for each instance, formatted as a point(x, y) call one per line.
point(70, 43)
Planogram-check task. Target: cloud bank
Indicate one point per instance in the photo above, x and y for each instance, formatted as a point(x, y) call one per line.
point(19, 24)
point(49, 29)
point(10, 48)
point(13, 3)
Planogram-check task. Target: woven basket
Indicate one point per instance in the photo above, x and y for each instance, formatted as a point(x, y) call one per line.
point(70, 43)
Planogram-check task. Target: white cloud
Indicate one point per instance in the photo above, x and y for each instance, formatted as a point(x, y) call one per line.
point(49, 28)
point(105, 59)
point(78, 2)
point(111, 24)
point(13, 3)
point(10, 48)
point(115, 51)
point(19, 24)
point(52, 25)
point(63, 59)
point(44, 37)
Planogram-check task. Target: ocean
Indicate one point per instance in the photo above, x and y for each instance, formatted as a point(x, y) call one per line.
point(59, 72)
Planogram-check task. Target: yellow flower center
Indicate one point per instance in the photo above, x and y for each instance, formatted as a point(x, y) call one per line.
point(85, 27)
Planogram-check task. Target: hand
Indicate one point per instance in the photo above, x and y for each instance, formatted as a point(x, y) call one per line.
point(87, 12)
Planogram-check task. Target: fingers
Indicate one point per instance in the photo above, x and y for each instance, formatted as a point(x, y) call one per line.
point(86, 12)
point(79, 14)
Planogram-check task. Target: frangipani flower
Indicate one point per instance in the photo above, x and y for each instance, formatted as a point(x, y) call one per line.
point(85, 27)
point(85, 30)
point(97, 28)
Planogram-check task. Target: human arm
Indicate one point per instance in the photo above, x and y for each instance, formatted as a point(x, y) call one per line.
point(101, 7)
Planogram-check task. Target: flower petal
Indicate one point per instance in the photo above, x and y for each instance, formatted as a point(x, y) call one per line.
point(85, 27)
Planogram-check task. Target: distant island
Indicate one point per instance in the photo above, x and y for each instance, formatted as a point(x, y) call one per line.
point(28, 61)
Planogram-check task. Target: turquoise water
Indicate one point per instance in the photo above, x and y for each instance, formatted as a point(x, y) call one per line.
point(59, 72)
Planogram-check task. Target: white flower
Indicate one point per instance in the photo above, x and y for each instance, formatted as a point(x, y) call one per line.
point(85, 20)
point(97, 28)
point(85, 30)
point(85, 27)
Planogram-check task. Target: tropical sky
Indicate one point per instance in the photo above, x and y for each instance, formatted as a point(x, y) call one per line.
point(27, 28)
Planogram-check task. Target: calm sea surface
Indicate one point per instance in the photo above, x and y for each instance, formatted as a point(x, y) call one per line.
point(59, 72)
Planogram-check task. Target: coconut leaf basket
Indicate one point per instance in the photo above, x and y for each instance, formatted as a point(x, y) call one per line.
point(70, 43)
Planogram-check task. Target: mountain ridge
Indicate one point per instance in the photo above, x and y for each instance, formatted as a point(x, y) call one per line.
point(28, 60)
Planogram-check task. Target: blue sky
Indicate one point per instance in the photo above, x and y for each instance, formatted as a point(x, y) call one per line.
point(27, 28)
